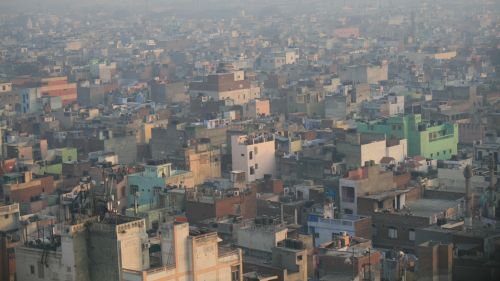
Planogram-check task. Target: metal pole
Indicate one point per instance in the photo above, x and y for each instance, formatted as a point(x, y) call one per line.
point(468, 197)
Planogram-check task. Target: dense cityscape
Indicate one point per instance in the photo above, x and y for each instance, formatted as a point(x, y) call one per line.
point(287, 140)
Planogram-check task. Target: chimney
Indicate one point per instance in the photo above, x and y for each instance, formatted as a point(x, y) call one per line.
point(468, 197)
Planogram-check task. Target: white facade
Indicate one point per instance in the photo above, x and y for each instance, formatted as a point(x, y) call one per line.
point(398, 151)
point(373, 151)
point(395, 105)
point(323, 229)
point(254, 155)
point(356, 155)
point(261, 238)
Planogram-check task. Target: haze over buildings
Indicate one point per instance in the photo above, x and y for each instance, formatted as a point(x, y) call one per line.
point(290, 140)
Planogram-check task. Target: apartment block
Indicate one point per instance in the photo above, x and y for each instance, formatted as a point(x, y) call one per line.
point(254, 155)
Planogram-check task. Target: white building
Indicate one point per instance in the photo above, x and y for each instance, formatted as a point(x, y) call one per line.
point(362, 148)
point(254, 155)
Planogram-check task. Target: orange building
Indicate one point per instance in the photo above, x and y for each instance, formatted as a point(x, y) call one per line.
point(59, 87)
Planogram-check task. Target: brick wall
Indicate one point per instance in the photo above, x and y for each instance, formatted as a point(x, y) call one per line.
point(363, 228)
point(197, 211)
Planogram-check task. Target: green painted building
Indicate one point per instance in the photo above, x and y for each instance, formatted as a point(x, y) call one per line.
point(430, 140)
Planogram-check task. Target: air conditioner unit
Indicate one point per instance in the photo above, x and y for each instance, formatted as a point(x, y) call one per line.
point(146, 245)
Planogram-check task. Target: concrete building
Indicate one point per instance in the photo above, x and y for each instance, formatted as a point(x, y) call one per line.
point(346, 257)
point(289, 262)
point(29, 100)
point(93, 94)
point(104, 71)
point(390, 105)
point(324, 224)
point(219, 203)
point(258, 239)
point(367, 73)
point(398, 228)
point(29, 192)
point(204, 162)
point(226, 86)
point(369, 179)
point(10, 214)
point(254, 155)
point(337, 107)
point(434, 141)
point(125, 147)
point(359, 149)
point(90, 250)
point(168, 92)
point(306, 100)
point(144, 187)
point(257, 108)
point(435, 261)
point(190, 256)
point(59, 87)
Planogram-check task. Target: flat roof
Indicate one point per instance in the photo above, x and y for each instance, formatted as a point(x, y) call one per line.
point(429, 207)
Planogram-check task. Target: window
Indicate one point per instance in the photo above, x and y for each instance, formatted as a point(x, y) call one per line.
point(374, 230)
point(256, 166)
point(316, 235)
point(393, 233)
point(299, 257)
point(235, 273)
point(411, 234)
point(32, 269)
point(242, 155)
point(437, 153)
point(348, 194)
point(348, 211)
point(255, 150)
point(252, 171)
point(250, 155)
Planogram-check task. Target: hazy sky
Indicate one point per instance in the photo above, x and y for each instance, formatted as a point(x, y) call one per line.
point(198, 6)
